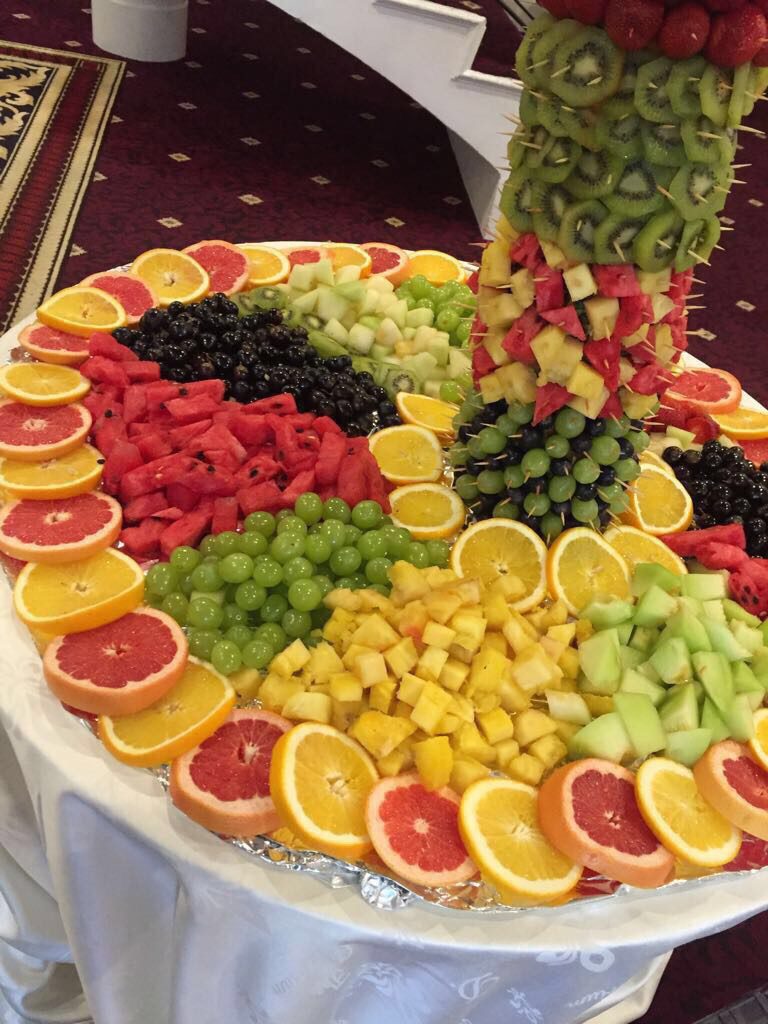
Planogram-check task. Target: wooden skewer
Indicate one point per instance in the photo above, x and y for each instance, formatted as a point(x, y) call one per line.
point(665, 193)
point(664, 245)
point(699, 259)
point(562, 71)
point(748, 128)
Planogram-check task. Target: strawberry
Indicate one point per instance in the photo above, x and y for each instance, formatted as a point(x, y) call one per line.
point(720, 6)
point(685, 31)
point(736, 36)
point(762, 4)
point(588, 12)
point(760, 60)
point(632, 24)
point(558, 8)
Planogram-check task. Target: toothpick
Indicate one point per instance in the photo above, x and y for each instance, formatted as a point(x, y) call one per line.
point(696, 334)
point(699, 197)
point(562, 71)
point(719, 188)
point(748, 128)
point(689, 308)
point(720, 248)
point(618, 249)
point(738, 167)
point(709, 135)
point(538, 64)
point(596, 81)
point(664, 245)
point(530, 145)
point(738, 181)
point(724, 227)
point(665, 193)
point(698, 280)
point(699, 259)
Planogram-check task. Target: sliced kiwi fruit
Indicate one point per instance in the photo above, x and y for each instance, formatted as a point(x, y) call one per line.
point(581, 125)
point(651, 95)
point(635, 193)
point(706, 143)
point(615, 238)
point(683, 86)
point(697, 242)
point(545, 46)
point(699, 190)
point(737, 106)
point(577, 230)
point(530, 109)
point(537, 145)
point(516, 151)
point(524, 61)
point(622, 136)
point(559, 160)
point(595, 175)
point(587, 68)
point(552, 118)
point(663, 144)
point(517, 199)
point(715, 87)
point(657, 244)
point(549, 204)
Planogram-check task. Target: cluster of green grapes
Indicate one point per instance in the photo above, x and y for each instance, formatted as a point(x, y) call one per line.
point(244, 596)
point(566, 471)
point(453, 305)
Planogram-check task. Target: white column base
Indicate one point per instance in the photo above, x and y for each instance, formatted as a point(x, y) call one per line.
point(148, 30)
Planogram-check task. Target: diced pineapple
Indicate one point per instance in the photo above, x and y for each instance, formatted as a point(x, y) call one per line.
point(512, 697)
point(372, 600)
point(523, 287)
point(435, 635)
point(448, 723)
point(580, 282)
point(441, 605)
point(410, 688)
point(569, 662)
point(392, 764)
point(430, 707)
point(468, 740)
point(291, 660)
point(401, 657)
point(453, 674)
point(339, 623)
point(470, 629)
point(533, 670)
point(381, 695)
point(565, 633)
point(496, 726)
point(516, 636)
point(554, 648)
point(348, 600)
point(501, 311)
point(345, 686)
point(495, 609)
point(495, 266)
point(491, 390)
point(550, 750)
point(505, 751)
point(505, 231)
point(408, 581)
point(598, 704)
point(434, 761)
point(584, 630)
point(462, 654)
point(402, 710)
point(463, 707)
point(662, 305)
point(276, 690)
point(470, 593)
point(413, 619)
point(431, 663)
point(324, 662)
point(496, 642)
point(532, 724)
point(309, 707)
point(565, 730)
point(483, 701)
point(352, 653)
point(342, 716)
point(585, 382)
point(375, 632)
point(553, 254)
point(537, 619)
point(380, 733)
point(518, 382)
point(602, 314)
point(371, 669)
point(510, 587)
point(525, 768)
point(465, 771)
point(488, 667)
point(246, 683)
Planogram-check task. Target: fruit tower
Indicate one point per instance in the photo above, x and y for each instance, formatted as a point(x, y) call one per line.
point(620, 164)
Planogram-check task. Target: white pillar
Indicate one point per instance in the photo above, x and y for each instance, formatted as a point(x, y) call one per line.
point(149, 30)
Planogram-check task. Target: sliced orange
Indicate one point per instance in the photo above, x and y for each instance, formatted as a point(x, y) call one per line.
point(743, 423)
point(650, 458)
point(437, 267)
point(678, 815)
point(498, 821)
point(759, 742)
point(320, 779)
point(43, 383)
point(429, 511)
point(636, 546)
point(503, 547)
point(423, 411)
point(172, 275)
point(408, 455)
point(265, 265)
point(583, 566)
point(190, 711)
point(76, 596)
point(343, 254)
point(658, 503)
point(82, 310)
point(71, 474)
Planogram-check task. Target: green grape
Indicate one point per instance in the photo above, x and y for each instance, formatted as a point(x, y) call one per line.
point(271, 633)
point(475, 447)
point(292, 524)
point(336, 533)
point(206, 578)
point(205, 613)
point(206, 547)
point(344, 583)
point(449, 290)
point(377, 570)
point(296, 623)
point(586, 471)
point(309, 508)
point(507, 509)
point(464, 380)
point(535, 463)
point(249, 596)
point(569, 423)
point(283, 514)
point(450, 392)
point(252, 544)
point(337, 508)
point(514, 476)
point(458, 455)
point(317, 548)
point(551, 526)
point(463, 332)
point(234, 615)
point(225, 657)
point(304, 595)
point(324, 584)
point(210, 560)
point(556, 446)
point(637, 438)
point(352, 535)
point(186, 585)
point(358, 581)
point(418, 555)
point(162, 579)
point(225, 543)
point(626, 470)
point(605, 450)
point(466, 487)
point(287, 546)
point(492, 440)
point(398, 542)
point(536, 504)
point(201, 642)
point(267, 571)
point(274, 608)
point(610, 492)
point(345, 561)
point(447, 320)
point(239, 634)
point(236, 568)
point(261, 522)
point(297, 569)
point(619, 504)
point(419, 286)
point(184, 558)
point(379, 588)
point(617, 427)
point(438, 552)
point(176, 606)
point(409, 301)
point(426, 304)
point(584, 511)
point(521, 413)
point(490, 481)
point(366, 515)
point(257, 654)
point(561, 488)
point(372, 545)
point(506, 425)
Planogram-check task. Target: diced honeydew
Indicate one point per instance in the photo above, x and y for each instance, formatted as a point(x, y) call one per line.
point(680, 710)
point(336, 330)
point(714, 672)
point(715, 610)
point(642, 722)
point(655, 607)
point(302, 277)
point(606, 613)
point(330, 305)
point(633, 681)
point(723, 640)
point(306, 302)
point(629, 657)
point(370, 303)
point(419, 318)
point(602, 737)
point(712, 720)
point(388, 333)
point(568, 707)
point(353, 291)
point(600, 662)
point(687, 747)
point(346, 274)
point(739, 718)
point(361, 339)
point(732, 610)
point(705, 586)
point(672, 661)
point(379, 283)
point(323, 271)
point(398, 312)
point(409, 333)
point(750, 639)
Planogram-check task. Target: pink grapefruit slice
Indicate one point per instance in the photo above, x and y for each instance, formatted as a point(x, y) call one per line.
point(33, 434)
point(223, 782)
point(387, 261)
point(52, 346)
point(133, 294)
point(120, 668)
point(306, 254)
point(59, 529)
point(734, 784)
point(415, 831)
point(588, 811)
point(227, 266)
point(709, 389)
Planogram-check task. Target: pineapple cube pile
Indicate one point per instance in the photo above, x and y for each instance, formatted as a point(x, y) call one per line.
point(443, 676)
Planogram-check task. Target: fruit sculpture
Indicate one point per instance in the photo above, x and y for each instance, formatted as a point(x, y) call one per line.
point(619, 168)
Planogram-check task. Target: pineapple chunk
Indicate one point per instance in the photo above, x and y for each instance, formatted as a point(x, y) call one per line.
point(584, 630)
point(556, 353)
point(537, 619)
point(372, 601)
point(276, 690)
point(343, 686)
point(430, 707)
point(324, 662)
point(410, 689)
point(580, 282)
point(471, 593)
point(530, 725)
point(496, 726)
point(523, 287)
point(468, 741)
point(505, 751)
point(408, 581)
point(516, 635)
point(435, 635)
point(602, 315)
point(342, 598)
point(518, 382)
point(495, 609)
point(505, 231)
point(402, 710)
point(512, 697)
point(565, 730)
point(525, 768)
point(565, 633)
point(533, 670)
point(585, 382)
point(492, 391)
point(448, 723)
point(484, 701)
point(510, 587)
point(246, 683)
point(352, 653)
point(371, 669)
point(402, 657)
point(392, 764)
point(496, 642)
point(441, 605)
point(375, 632)
point(465, 771)
point(381, 695)
point(434, 761)
point(495, 265)
point(291, 660)
point(309, 707)
point(661, 305)
point(461, 654)
point(431, 663)
point(598, 704)
point(569, 662)
point(338, 625)
point(553, 254)
point(550, 750)
point(412, 620)
point(380, 733)
point(453, 674)
point(554, 648)
point(463, 707)
point(470, 629)
point(488, 666)
point(500, 311)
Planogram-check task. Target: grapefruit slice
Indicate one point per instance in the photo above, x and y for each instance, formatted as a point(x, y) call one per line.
point(59, 530)
point(226, 265)
point(344, 254)
point(306, 254)
point(709, 389)
point(588, 811)
point(119, 668)
point(82, 311)
point(133, 294)
point(223, 782)
point(32, 435)
point(735, 785)
point(415, 831)
point(388, 261)
point(50, 345)
point(756, 451)
point(266, 265)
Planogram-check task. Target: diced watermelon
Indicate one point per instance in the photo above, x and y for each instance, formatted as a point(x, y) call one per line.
point(566, 318)
point(161, 391)
point(643, 352)
point(549, 398)
point(159, 473)
point(123, 458)
point(105, 345)
point(687, 544)
point(714, 555)
point(604, 356)
point(218, 436)
point(134, 403)
point(221, 459)
point(374, 481)
point(478, 332)
point(143, 541)
point(104, 371)
point(650, 379)
point(196, 407)
point(180, 496)
point(517, 342)
point(184, 437)
point(187, 530)
point(325, 425)
point(616, 282)
point(482, 363)
point(703, 427)
point(680, 283)
point(107, 430)
point(225, 512)
point(550, 288)
point(298, 460)
point(169, 514)
point(154, 446)
point(280, 405)
point(264, 497)
point(97, 402)
point(332, 451)
point(137, 430)
point(207, 479)
point(301, 483)
point(300, 421)
point(749, 586)
point(612, 408)
point(258, 469)
point(473, 281)
point(526, 251)
point(350, 481)
point(145, 506)
point(634, 311)
point(143, 372)
point(213, 387)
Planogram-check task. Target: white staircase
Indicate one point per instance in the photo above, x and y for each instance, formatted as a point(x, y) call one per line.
point(427, 50)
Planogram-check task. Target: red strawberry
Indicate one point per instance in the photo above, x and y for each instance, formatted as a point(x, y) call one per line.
point(632, 24)
point(736, 36)
point(559, 8)
point(588, 12)
point(762, 4)
point(684, 31)
point(720, 6)
point(760, 60)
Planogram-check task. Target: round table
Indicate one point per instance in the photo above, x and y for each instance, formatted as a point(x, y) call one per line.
point(166, 924)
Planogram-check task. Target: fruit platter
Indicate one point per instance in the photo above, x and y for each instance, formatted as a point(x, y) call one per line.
point(451, 578)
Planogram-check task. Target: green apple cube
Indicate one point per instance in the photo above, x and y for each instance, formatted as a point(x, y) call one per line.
point(331, 305)
point(600, 662)
point(629, 657)
point(672, 661)
point(336, 330)
point(642, 722)
point(714, 672)
point(419, 318)
point(723, 640)
point(605, 614)
point(739, 718)
point(361, 339)
point(688, 628)
point(705, 586)
point(715, 610)
point(711, 719)
point(568, 707)
point(388, 333)
point(655, 607)
point(680, 710)
point(633, 681)
point(306, 302)
point(688, 746)
point(735, 611)
point(603, 737)
point(745, 681)
point(749, 638)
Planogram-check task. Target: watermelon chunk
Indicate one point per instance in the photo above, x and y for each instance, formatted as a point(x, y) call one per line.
point(180, 496)
point(161, 391)
point(143, 541)
point(567, 319)
point(105, 345)
point(142, 372)
point(604, 356)
point(123, 458)
point(218, 436)
point(154, 475)
point(749, 586)
point(195, 407)
point(482, 363)
point(687, 544)
point(154, 446)
point(279, 405)
point(134, 403)
point(107, 430)
point(213, 387)
point(332, 451)
point(104, 371)
point(616, 282)
point(714, 555)
point(526, 251)
point(225, 511)
point(265, 497)
point(473, 281)
point(187, 530)
point(144, 507)
point(325, 425)
point(549, 398)
point(650, 379)
point(550, 288)
point(258, 469)
point(612, 409)
point(517, 342)
point(350, 482)
point(634, 311)
point(183, 437)
point(301, 483)
point(97, 402)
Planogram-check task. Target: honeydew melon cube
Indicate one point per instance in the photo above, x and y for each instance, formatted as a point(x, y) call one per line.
point(408, 333)
point(680, 710)
point(642, 722)
point(643, 638)
point(744, 681)
point(431, 388)
point(750, 639)
point(760, 666)
point(323, 271)
point(685, 625)
point(369, 303)
point(648, 574)
point(386, 301)
point(655, 607)
point(306, 301)
point(330, 305)
point(633, 681)
point(423, 338)
point(441, 345)
point(568, 707)
point(688, 746)
point(361, 339)
point(647, 669)
point(380, 284)
point(398, 311)
point(714, 672)
point(739, 718)
point(388, 333)
point(605, 614)
point(302, 277)
point(349, 319)
point(603, 737)
point(714, 610)
point(419, 318)
point(346, 274)
point(629, 657)
point(707, 586)
point(724, 641)
point(732, 611)
point(712, 720)
point(672, 661)
point(459, 363)
point(336, 330)
point(352, 291)
point(600, 662)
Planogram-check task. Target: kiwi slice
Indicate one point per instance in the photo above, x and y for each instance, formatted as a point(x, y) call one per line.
point(657, 244)
point(699, 190)
point(715, 88)
point(663, 144)
point(531, 76)
point(651, 97)
point(697, 242)
point(544, 48)
point(622, 136)
point(635, 193)
point(615, 238)
point(559, 160)
point(516, 151)
point(683, 86)
point(517, 199)
point(577, 230)
point(538, 144)
point(581, 125)
point(530, 109)
point(549, 204)
point(587, 68)
point(595, 175)
point(737, 106)
point(706, 143)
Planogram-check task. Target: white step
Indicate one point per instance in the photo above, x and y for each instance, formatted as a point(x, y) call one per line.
point(427, 50)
